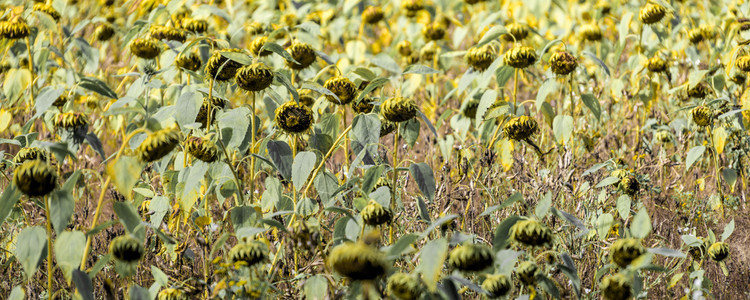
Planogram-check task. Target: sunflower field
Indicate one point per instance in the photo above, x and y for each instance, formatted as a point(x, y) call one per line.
point(365, 149)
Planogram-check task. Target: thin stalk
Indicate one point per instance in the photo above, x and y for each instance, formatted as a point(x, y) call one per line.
point(240, 189)
point(394, 179)
point(210, 104)
point(334, 146)
point(293, 142)
point(49, 247)
point(346, 139)
point(515, 91)
point(31, 70)
point(717, 175)
point(252, 151)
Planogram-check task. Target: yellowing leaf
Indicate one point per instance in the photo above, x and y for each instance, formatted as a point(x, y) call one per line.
point(506, 154)
point(675, 279)
point(719, 139)
point(5, 118)
point(16, 81)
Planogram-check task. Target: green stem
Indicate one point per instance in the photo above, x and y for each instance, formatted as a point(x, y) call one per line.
point(49, 247)
point(717, 168)
point(252, 151)
point(31, 70)
point(314, 174)
point(210, 104)
point(394, 179)
point(515, 91)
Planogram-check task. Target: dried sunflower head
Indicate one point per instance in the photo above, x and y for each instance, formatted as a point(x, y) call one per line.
point(652, 13)
point(14, 30)
point(171, 294)
point(364, 106)
point(71, 121)
point(386, 127)
point(591, 32)
point(656, 65)
point(254, 27)
point(404, 286)
point(248, 253)
point(412, 7)
point(624, 251)
point(702, 116)
point(104, 32)
point(212, 106)
point(222, 68)
point(562, 63)
point(375, 214)
point(520, 128)
point(398, 109)
point(630, 185)
point(531, 233)
point(195, 26)
point(127, 248)
point(145, 48)
point(718, 251)
point(202, 148)
point(372, 14)
point(257, 44)
point(254, 78)
point(700, 90)
point(158, 144)
point(404, 48)
point(616, 287)
point(470, 111)
point(357, 261)
point(30, 153)
point(520, 57)
point(35, 177)
point(293, 118)
point(434, 31)
point(471, 257)
point(497, 285)
point(527, 272)
point(743, 63)
point(516, 32)
point(303, 53)
point(188, 61)
point(344, 89)
point(167, 33)
point(428, 51)
point(306, 97)
point(480, 58)
point(47, 9)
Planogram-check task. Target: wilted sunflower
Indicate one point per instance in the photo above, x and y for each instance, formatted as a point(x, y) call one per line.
point(215, 104)
point(222, 68)
point(293, 118)
point(343, 88)
point(630, 185)
point(35, 177)
point(303, 53)
point(30, 153)
point(171, 294)
point(188, 61)
point(412, 7)
point(202, 148)
point(70, 121)
point(386, 126)
point(656, 65)
point(357, 261)
point(497, 285)
point(516, 32)
point(624, 251)
point(14, 30)
point(364, 106)
point(404, 286)
point(158, 144)
point(428, 51)
point(127, 248)
point(470, 111)
point(718, 251)
point(700, 90)
point(520, 128)
point(398, 109)
point(254, 27)
point(375, 214)
point(527, 272)
point(480, 58)
point(167, 33)
point(145, 48)
point(372, 14)
point(434, 31)
point(306, 97)
point(531, 233)
point(47, 9)
point(193, 25)
point(743, 63)
point(257, 44)
point(520, 57)
point(254, 78)
point(104, 32)
point(591, 32)
point(248, 253)
point(562, 63)
point(702, 116)
point(404, 48)
point(652, 13)
point(616, 287)
point(471, 257)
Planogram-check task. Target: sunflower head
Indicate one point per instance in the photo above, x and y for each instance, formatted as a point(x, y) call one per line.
point(398, 109)
point(303, 53)
point(35, 177)
point(702, 116)
point(591, 32)
point(497, 285)
point(248, 253)
point(254, 27)
point(616, 287)
point(167, 33)
point(222, 68)
point(343, 88)
point(656, 65)
point(470, 111)
point(372, 14)
point(404, 286)
point(188, 61)
point(695, 35)
point(255, 77)
point(630, 185)
point(700, 90)
point(375, 214)
point(293, 118)
point(743, 63)
point(624, 251)
point(47, 9)
point(404, 48)
point(562, 63)
point(306, 97)
point(520, 57)
point(357, 261)
point(158, 144)
point(434, 31)
point(30, 153)
point(127, 248)
point(698, 252)
point(480, 58)
point(531, 233)
point(145, 48)
point(428, 51)
point(71, 121)
point(411, 7)
point(104, 32)
point(212, 105)
point(516, 32)
point(471, 257)
point(652, 13)
point(527, 272)
point(257, 44)
point(195, 26)
point(718, 251)
point(202, 148)
point(386, 126)
point(304, 236)
point(14, 30)
point(364, 106)
point(171, 294)
point(520, 128)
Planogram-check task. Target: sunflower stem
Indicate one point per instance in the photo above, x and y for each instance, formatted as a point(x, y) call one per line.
point(515, 91)
point(314, 174)
point(394, 179)
point(210, 104)
point(49, 247)
point(252, 150)
point(31, 70)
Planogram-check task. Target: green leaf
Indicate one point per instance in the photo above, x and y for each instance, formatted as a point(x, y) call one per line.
point(667, 252)
point(45, 99)
point(422, 174)
point(424, 213)
point(603, 224)
point(502, 233)
point(31, 244)
point(386, 62)
point(8, 200)
point(97, 86)
point(239, 57)
point(139, 293)
point(608, 181)
point(727, 231)
point(593, 104)
point(326, 184)
point(548, 286)
point(507, 203)
point(437, 223)
point(432, 257)
point(286, 82)
point(306, 207)
point(16, 81)
point(62, 205)
point(420, 69)
point(303, 164)
point(492, 34)
point(159, 276)
point(623, 207)
point(562, 127)
point(371, 178)
point(641, 224)
point(128, 215)
point(281, 155)
point(503, 74)
point(69, 251)
point(404, 242)
point(693, 155)
point(542, 208)
point(549, 86)
point(316, 288)
point(730, 176)
point(17, 293)
point(276, 48)
point(696, 77)
point(125, 172)
point(374, 84)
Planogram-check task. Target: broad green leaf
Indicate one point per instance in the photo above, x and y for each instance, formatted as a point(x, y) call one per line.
point(562, 127)
point(593, 104)
point(503, 74)
point(507, 147)
point(727, 231)
point(31, 244)
point(641, 226)
point(16, 81)
point(695, 77)
point(97, 86)
point(608, 181)
point(69, 251)
point(730, 176)
point(239, 57)
point(623, 207)
point(502, 233)
point(432, 256)
point(316, 288)
point(128, 215)
point(404, 242)
point(693, 155)
point(422, 174)
point(667, 252)
point(17, 293)
point(420, 69)
point(303, 164)
point(8, 200)
point(492, 34)
point(542, 208)
point(125, 172)
point(61, 204)
point(603, 224)
point(45, 99)
point(549, 86)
